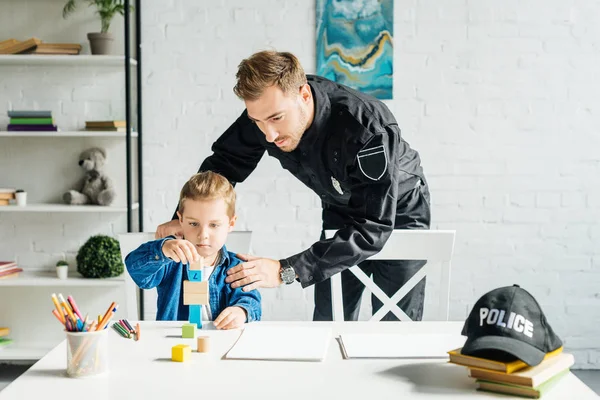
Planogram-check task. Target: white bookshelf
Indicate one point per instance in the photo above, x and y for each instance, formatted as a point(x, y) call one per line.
point(70, 134)
point(55, 208)
point(49, 279)
point(67, 60)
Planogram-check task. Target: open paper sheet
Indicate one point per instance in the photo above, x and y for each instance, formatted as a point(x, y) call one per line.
point(398, 345)
point(263, 342)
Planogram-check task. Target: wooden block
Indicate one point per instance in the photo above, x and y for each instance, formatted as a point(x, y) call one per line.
point(203, 344)
point(188, 331)
point(197, 266)
point(195, 298)
point(181, 353)
point(196, 315)
point(191, 287)
point(195, 276)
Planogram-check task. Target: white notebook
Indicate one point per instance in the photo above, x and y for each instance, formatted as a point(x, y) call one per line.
point(398, 345)
point(264, 342)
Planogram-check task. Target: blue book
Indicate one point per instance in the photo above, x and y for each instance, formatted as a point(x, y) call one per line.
point(29, 114)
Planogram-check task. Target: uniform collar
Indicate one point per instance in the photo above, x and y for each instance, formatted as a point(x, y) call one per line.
point(322, 111)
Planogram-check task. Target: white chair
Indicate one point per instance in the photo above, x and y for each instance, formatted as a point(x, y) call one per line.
point(404, 244)
point(237, 241)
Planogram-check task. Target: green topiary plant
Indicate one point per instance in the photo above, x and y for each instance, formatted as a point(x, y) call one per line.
point(100, 257)
point(62, 262)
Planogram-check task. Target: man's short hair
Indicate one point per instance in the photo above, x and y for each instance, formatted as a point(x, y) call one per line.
point(268, 68)
point(208, 185)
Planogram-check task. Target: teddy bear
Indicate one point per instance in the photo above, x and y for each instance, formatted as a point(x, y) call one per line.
point(95, 187)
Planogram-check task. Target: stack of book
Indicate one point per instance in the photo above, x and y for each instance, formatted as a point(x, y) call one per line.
point(6, 195)
point(508, 375)
point(35, 46)
point(4, 340)
point(9, 269)
point(31, 121)
point(107, 126)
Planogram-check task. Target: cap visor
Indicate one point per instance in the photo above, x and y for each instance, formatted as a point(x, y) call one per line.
point(525, 352)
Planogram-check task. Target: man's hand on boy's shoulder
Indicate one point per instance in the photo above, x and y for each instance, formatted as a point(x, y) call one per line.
point(180, 250)
point(231, 318)
point(255, 273)
point(171, 228)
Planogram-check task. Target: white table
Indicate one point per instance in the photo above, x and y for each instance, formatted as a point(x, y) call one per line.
point(144, 370)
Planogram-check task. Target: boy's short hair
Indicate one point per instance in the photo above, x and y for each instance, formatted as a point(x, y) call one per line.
point(208, 185)
point(268, 68)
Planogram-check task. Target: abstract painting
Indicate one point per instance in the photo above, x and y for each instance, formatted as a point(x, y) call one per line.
point(354, 44)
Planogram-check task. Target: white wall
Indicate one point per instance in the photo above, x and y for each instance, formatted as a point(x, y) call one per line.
point(500, 99)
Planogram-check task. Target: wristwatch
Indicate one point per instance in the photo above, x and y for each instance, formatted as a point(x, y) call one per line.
point(287, 272)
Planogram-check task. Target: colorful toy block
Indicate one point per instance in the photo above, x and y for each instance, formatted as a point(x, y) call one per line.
point(203, 344)
point(181, 353)
point(196, 315)
point(188, 331)
point(195, 287)
point(195, 298)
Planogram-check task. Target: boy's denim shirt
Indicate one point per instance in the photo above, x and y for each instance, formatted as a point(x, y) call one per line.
point(149, 268)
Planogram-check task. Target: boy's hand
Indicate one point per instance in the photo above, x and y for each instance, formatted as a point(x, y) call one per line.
point(180, 250)
point(231, 318)
point(255, 273)
point(169, 228)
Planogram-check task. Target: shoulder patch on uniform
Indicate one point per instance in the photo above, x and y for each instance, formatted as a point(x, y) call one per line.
point(372, 162)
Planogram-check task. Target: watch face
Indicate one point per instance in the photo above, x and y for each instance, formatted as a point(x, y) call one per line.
point(288, 275)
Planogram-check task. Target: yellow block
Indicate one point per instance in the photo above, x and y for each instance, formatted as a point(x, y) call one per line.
point(195, 287)
point(181, 353)
point(195, 298)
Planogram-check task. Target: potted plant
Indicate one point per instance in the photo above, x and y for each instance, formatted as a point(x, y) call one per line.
point(100, 257)
point(62, 269)
point(100, 42)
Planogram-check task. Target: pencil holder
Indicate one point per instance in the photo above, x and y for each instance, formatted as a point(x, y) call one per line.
point(87, 353)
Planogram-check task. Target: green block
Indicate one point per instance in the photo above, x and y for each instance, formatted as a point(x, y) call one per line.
point(188, 331)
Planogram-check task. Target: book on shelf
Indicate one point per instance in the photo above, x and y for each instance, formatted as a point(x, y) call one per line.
point(4, 331)
point(4, 341)
point(32, 128)
point(530, 376)
point(105, 124)
point(56, 48)
point(7, 264)
point(7, 43)
point(524, 391)
point(20, 47)
point(7, 195)
point(4, 202)
point(32, 121)
point(503, 363)
point(109, 129)
point(29, 114)
point(12, 273)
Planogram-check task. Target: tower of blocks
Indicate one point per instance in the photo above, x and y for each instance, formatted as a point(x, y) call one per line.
point(195, 293)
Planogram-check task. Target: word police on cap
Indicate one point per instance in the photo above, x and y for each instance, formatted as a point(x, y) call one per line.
point(516, 322)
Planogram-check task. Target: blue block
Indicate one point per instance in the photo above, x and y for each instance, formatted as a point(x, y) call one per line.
point(195, 276)
point(196, 315)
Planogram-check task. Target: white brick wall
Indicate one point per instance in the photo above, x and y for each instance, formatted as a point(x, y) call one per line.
point(500, 99)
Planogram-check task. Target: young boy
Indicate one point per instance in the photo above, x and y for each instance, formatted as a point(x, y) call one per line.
point(207, 214)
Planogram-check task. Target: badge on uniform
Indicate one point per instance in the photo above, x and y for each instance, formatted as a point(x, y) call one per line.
point(372, 162)
point(336, 185)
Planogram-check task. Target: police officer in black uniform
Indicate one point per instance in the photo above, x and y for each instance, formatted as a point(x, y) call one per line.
point(345, 146)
